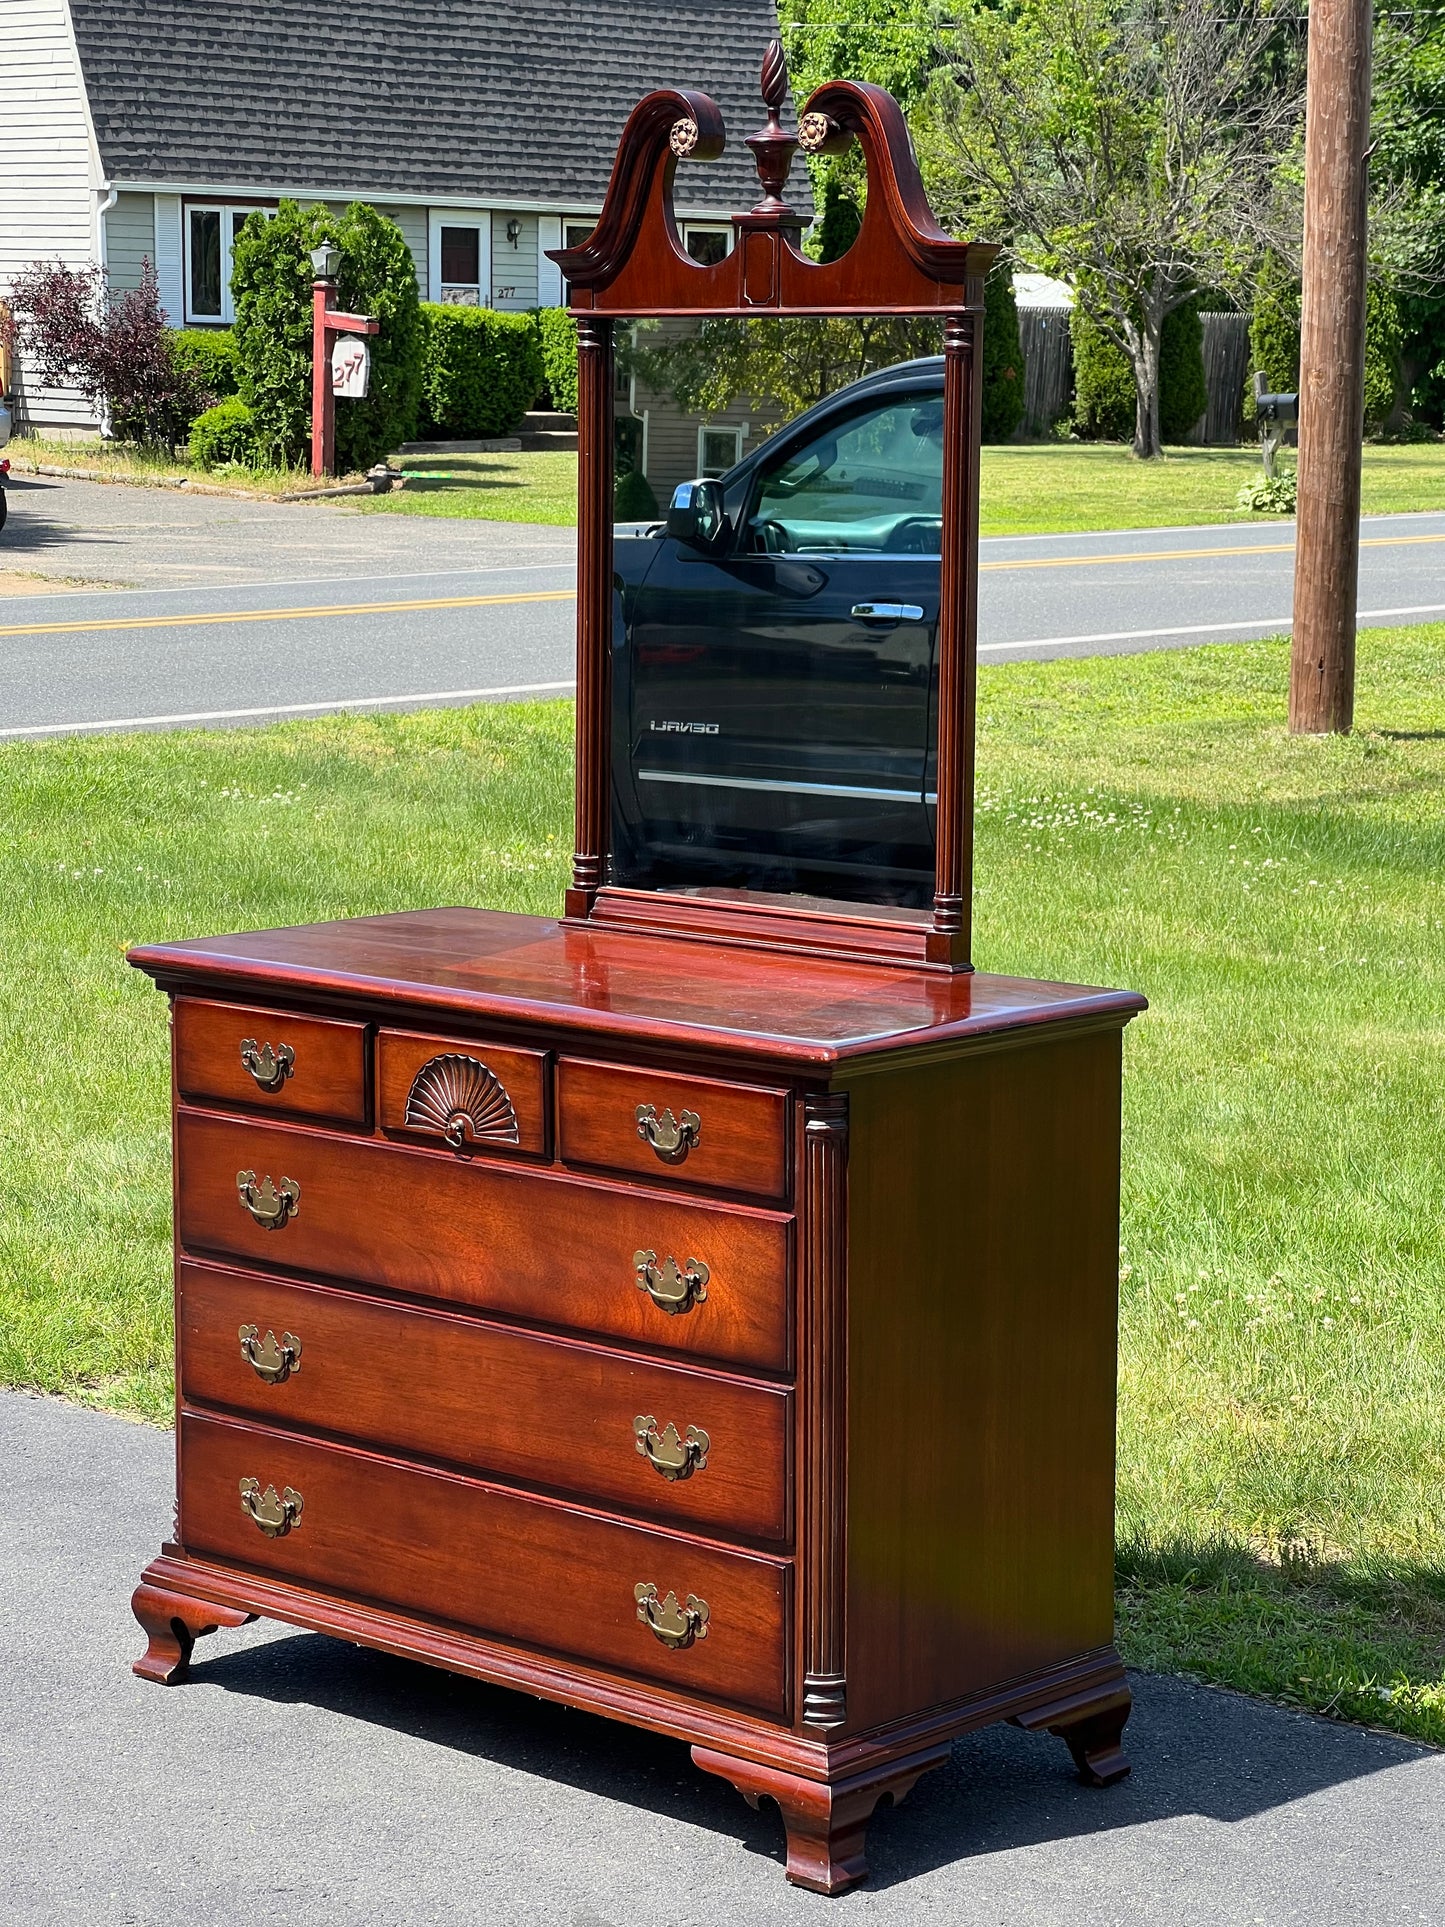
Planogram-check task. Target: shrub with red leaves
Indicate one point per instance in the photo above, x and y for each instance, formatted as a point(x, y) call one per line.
point(114, 346)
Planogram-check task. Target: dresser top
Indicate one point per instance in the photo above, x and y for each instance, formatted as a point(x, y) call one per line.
point(492, 965)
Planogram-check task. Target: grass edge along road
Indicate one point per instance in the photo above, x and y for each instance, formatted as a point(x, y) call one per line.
point(1028, 488)
point(1143, 821)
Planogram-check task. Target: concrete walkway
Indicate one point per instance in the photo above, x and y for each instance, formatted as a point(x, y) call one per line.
point(300, 1780)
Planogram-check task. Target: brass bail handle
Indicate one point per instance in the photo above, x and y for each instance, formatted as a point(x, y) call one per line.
point(676, 1626)
point(271, 1358)
point(671, 1137)
point(673, 1288)
point(668, 1452)
point(270, 1204)
point(274, 1512)
point(269, 1067)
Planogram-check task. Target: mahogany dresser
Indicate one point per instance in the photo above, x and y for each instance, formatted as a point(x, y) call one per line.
point(721, 1341)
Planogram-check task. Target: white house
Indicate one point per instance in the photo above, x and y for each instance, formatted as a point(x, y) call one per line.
point(135, 129)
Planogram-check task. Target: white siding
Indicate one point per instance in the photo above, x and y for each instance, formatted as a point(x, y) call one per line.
point(130, 238)
point(514, 268)
point(48, 175)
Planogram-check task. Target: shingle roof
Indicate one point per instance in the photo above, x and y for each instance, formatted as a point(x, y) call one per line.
point(471, 97)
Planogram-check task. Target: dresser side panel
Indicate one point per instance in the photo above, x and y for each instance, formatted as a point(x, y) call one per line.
point(983, 1285)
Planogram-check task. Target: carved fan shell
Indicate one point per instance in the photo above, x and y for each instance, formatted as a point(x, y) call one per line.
point(463, 1100)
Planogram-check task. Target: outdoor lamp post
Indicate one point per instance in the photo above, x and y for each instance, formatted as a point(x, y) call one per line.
point(327, 323)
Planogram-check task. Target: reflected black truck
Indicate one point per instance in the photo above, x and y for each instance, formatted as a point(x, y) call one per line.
point(774, 666)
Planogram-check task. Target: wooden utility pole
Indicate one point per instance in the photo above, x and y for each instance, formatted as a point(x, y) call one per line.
point(1332, 368)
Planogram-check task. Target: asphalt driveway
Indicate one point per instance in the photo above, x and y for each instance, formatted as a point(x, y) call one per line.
point(301, 1780)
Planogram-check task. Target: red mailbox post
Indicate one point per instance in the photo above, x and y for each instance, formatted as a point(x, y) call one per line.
point(326, 324)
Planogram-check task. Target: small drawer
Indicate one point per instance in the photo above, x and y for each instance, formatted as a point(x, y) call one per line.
point(704, 1277)
point(727, 1137)
point(472, 1096)
point(514, 1404)
point(527, 1570)
point(270, 1059)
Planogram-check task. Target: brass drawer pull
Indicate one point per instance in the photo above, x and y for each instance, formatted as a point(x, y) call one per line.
point(270, 1358)
point(672, 1138)
point(270, 1068)
point(676, 1626)
point(670, 1286)
point(667, 1451)
point(274, 1513)
point(269, 1204)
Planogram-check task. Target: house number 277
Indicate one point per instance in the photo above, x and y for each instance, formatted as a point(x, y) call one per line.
point(504, 294)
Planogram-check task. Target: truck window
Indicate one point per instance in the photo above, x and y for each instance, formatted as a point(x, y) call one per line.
point(872, 483)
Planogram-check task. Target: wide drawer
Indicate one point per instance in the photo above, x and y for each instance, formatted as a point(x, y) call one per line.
point(527, 1243)
point(730, 1137)
point(522, 1569)
point(549, 1411)
point(479, 1096)
point(300, 1066)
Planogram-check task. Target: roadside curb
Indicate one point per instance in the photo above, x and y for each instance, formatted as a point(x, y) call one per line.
point(143, 481)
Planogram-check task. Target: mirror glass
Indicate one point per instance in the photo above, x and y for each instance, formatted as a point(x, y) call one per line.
point(773, 689)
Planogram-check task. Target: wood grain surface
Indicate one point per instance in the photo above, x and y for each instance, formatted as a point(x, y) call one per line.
point(328, 1073)
point(551, 1412)
point(742, 1141)
point(527, 1243)
point(982, 1289)
point(522, 1568)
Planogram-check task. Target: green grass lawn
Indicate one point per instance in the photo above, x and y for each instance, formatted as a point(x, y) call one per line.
point(1028, 488)
point(1144, 821)
point(1033, 488)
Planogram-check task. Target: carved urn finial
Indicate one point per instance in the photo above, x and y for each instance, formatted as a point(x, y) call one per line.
point(773, 147)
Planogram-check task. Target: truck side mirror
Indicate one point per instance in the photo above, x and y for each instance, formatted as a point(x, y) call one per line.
point(696, 517)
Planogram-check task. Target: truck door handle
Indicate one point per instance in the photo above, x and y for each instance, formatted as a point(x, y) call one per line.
point(887, 612)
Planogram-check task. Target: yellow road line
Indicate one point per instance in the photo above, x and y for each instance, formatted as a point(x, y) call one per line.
point(213, 617)
point(1187, 555)
point(281, 615)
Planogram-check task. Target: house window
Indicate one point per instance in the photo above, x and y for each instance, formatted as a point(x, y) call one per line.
point(210, 238)
point(574, 233)
point(719, 449)
point(462, 265)
point(707, 242)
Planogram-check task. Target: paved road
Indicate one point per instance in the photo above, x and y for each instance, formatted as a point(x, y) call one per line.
point(301, 1780)
point(235, 611)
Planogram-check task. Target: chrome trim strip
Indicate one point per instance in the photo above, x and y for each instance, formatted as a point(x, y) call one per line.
point(686, 777)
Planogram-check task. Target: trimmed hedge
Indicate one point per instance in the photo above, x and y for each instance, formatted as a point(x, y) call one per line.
point(1104, 393)
point(558, 333)
point(1105, 404)
point(1003, 358)
point(634, 500)
point(208, 354)
point(1183, 390)
point(271, 281)
point(480, 370)
point(225, 433)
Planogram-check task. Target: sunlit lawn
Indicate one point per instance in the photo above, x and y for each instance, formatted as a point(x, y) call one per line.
point(1144, 821)
point(1028, 488)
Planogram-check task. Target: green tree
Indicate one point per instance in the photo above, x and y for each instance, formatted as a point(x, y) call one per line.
point(1003, 357)
point(271, 282)
point(1131, 148)
point(789, 362)
point(1407, 124)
